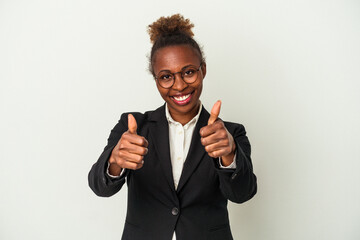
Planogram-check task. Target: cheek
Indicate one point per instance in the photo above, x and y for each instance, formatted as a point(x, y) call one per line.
point(163, 95)
point(199, 88)
point(163, 92)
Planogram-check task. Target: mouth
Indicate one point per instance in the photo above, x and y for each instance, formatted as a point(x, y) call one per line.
point(182, 99)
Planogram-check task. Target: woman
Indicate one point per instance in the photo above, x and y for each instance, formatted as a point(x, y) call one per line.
point(181, 164)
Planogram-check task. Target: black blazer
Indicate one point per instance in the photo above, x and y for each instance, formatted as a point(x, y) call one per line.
point(198, 208)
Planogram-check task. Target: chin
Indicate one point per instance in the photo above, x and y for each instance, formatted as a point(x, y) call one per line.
point(183, 108)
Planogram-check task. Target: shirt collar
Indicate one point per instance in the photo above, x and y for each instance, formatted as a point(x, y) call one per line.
point(172, 121)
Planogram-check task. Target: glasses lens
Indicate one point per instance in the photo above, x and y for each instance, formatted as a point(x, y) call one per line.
point(165, 79)
point(190, 74)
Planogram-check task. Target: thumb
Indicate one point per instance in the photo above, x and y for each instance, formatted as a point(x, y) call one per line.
point(215, 111)
point(132, 125)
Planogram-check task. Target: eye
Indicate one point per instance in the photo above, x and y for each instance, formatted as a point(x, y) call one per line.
point(165, 77)
point(189, 72)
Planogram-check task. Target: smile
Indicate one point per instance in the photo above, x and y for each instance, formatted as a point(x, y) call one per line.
point(182, 99)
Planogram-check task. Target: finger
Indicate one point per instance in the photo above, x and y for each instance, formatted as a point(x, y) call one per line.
point(217, 146)
point(130, 157)
point(132, 165)
point(134, 139)
point(215, 111)
point(135, 149)
point(129, 138)
point(208, 130)
point(213, 138)
point(211, 129)
point(218, 153)
point(132, 125)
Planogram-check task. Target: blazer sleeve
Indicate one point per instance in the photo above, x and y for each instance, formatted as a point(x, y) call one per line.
point(238, 185)
point(99, 181)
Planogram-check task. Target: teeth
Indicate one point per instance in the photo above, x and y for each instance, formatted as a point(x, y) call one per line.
point(182, 98)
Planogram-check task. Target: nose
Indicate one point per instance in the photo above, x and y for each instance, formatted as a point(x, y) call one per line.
point(179, 83)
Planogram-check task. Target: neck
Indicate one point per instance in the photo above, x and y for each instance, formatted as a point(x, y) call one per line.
point(185, 118)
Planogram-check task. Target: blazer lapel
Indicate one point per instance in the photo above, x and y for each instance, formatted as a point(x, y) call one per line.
point(196, 151)
point(160, 136)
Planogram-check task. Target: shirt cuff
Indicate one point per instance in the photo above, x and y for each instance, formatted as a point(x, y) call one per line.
point(112, 176)
point(231, 166)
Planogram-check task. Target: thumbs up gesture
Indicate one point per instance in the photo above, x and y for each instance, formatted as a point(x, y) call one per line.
point(216, 139)
point(129, 151)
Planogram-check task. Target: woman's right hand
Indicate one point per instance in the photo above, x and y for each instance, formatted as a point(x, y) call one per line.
point(129, 152)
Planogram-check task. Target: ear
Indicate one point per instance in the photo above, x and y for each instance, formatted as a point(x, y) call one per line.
point(203, 69)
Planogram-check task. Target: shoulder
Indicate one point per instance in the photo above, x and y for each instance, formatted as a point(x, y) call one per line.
point(232, 127)
point(235, 128)
point(143, 118)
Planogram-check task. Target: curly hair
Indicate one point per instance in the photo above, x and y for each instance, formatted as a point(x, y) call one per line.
point(170, 31)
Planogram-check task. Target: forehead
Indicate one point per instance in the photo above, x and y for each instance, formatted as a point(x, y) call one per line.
point(174, 58)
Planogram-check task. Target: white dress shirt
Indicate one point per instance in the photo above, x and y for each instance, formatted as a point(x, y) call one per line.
point(180, 139)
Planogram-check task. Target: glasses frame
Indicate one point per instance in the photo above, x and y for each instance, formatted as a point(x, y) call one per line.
point(181, 74)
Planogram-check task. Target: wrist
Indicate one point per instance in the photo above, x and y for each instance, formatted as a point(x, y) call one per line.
point(114, 169)
point(228, 159)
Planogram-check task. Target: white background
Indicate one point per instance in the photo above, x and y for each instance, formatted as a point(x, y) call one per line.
point(287, 70)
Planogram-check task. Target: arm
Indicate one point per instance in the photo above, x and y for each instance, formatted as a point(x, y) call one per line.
point(99, 181)
point(238, 185)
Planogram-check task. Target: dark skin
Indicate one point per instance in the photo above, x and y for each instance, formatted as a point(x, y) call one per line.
point(218, 142)
point(174, 59)
point(216, 139)
point(130, 150)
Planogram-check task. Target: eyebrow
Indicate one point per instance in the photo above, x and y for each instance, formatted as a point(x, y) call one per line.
point(189, 65)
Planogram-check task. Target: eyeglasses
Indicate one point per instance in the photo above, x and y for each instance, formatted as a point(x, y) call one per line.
point(189, 74)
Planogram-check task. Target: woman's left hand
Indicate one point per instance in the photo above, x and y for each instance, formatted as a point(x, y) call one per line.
point(216, 139)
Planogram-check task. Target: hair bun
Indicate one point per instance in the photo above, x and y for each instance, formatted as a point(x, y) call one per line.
point(174, 24)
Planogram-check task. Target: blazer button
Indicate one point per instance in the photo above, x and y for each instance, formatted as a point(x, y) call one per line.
point(175, 211)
